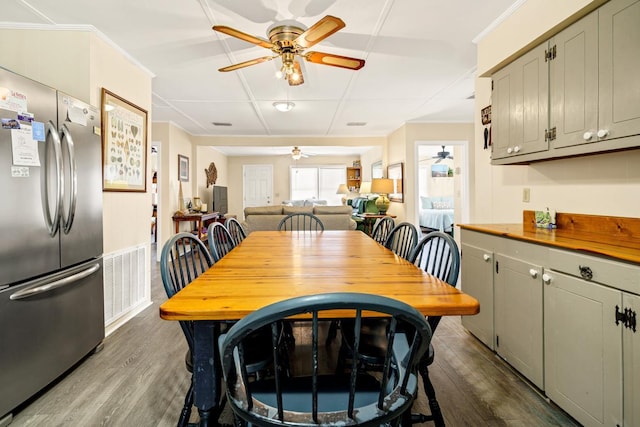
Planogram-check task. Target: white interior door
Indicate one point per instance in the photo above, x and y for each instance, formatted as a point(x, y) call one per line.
point(257, 185)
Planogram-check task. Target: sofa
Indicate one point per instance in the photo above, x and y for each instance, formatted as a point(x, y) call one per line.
point(265, 218)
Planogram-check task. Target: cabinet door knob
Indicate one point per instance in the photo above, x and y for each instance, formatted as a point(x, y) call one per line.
point(603, 133)
point(546, 279)
point(587, 136)
point(509, 150)
point(486, 257)
point(516, 149)
point(533, 272)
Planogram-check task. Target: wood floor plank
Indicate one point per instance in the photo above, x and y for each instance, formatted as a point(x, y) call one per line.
point(139, 379)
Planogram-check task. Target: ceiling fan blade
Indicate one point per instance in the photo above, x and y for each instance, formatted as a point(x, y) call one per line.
point(243, 36)
point(247, 63)
point(319, 31)
point(334, 60)
point(297, 70)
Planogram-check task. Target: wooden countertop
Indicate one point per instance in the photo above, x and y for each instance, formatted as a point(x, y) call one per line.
point(567, 238)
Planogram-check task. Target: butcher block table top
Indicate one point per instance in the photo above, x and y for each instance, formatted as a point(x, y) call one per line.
point(270, 266)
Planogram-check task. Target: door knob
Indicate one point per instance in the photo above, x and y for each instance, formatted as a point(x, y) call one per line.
point(486, 257)
point(587, 136)
point(603, 133)
point(533, 272)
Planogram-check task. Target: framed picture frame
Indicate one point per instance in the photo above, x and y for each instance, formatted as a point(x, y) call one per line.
point(124, 144)
point(396, 173)
point(485, 114)
point(183, 168)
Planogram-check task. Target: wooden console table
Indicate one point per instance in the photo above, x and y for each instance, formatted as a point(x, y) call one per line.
point(200, 222)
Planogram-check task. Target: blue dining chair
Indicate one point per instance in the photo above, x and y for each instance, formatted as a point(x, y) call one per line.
point(236, 230)
point(220, 240)
point(402, 239)
point(184, 257)
point(437, 254)
point(301, 222)
point(315, 398)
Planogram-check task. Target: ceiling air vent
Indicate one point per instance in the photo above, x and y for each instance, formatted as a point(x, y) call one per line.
point(356, 123)
point(221, 124)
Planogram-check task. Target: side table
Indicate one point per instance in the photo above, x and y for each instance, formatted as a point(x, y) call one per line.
point(199, 221)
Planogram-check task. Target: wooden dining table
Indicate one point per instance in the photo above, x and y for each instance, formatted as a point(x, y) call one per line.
point(271, 266)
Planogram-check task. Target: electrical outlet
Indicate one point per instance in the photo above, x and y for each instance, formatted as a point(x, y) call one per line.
point(526, 195)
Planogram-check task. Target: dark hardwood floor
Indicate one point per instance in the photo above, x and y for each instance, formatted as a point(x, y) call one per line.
point(139, 379)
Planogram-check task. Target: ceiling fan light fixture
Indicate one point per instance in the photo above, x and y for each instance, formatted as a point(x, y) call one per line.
point(296, 153)
point(284, 106)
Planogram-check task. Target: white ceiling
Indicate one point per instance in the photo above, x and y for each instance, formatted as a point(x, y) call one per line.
point(420, 60)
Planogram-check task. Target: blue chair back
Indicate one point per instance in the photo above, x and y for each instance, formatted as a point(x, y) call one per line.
point(354, 398)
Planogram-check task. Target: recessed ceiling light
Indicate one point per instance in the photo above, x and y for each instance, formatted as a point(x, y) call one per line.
point(284, 106)
point(220, 124)
point(356, 123)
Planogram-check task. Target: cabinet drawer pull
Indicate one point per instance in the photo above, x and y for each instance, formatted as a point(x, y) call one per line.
point(603, 133)
point(586, 272)
point(546, 279)
point(486, 257)
point(516, 149)
point(533, 272)
point(587, 136)
point(509, 150)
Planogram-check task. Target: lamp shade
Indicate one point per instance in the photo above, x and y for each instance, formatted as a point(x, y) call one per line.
point(365, 187)
point(342, 189)
point(382, 186)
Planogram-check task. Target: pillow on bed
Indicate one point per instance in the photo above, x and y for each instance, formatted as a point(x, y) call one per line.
point(426, 202)
point(441, 204)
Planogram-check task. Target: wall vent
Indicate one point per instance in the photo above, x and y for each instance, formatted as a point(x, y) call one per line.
point(124, 282)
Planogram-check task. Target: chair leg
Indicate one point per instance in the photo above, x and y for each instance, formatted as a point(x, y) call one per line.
point(436, 413)
point(183, 421)
point(332, 333)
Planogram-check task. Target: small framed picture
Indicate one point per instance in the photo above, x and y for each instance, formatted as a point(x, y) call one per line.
point(485, 113)
point(183, 168)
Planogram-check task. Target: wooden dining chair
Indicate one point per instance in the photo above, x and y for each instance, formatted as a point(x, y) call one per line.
point(220, 240)
point(236, 230)
point(184, 257)
point(382, 228)
point(402, 239)
point(301, 222)
point(437, 254)
point(312, 397)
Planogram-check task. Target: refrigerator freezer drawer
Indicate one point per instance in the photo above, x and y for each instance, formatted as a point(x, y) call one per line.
point(46, 331)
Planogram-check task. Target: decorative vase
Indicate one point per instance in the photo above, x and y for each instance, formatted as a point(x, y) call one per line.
point(180, 197)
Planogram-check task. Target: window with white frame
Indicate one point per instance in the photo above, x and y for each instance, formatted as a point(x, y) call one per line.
point(317, 182)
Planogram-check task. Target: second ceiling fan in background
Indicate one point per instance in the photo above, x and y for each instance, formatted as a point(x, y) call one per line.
point(288, 41)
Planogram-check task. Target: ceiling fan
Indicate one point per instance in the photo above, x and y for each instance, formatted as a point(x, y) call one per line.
point(297, 154)
point(288, 41)
point(441, 155)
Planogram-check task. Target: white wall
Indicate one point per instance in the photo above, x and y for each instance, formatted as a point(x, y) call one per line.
point(602, 184)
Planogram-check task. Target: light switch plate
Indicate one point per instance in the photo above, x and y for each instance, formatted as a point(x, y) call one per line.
point(526, 195)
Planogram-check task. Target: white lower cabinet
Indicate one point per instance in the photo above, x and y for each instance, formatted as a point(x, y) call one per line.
point(583, 349)
point(564, 319)
point(518, 316)
point(477, 280)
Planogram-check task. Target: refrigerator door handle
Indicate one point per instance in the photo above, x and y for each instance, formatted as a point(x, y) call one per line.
point(53, 218)
point(67, 220)
point(40, 289)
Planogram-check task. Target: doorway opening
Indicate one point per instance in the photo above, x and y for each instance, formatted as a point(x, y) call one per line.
point(442, 185)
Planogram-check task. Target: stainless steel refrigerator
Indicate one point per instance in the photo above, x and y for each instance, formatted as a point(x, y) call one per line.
point(51, 286)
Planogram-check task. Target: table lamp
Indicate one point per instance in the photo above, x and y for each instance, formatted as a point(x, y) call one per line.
point(382, 186)
point(342, 189)
point(365, 188)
